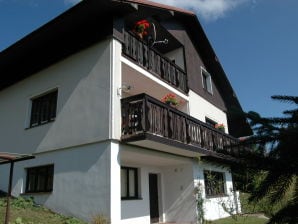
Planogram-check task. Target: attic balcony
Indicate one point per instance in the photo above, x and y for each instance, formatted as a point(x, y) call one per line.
point(150, 59)
point(148, 122)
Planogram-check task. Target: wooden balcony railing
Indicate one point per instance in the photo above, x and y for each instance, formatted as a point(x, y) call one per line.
point(144, 114)
point(150, 59)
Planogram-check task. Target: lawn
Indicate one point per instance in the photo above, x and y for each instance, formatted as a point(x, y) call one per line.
point(241, 220)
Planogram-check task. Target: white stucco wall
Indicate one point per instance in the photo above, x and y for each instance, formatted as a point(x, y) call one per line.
point(82, 180)
point(176, 186)
point(201, 108)
point(179, 196)
point(213, 205)
point(83, 109)
point(138, 211)
point(116, 84)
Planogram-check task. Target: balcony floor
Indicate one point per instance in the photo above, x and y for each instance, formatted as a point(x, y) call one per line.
point(161, 144)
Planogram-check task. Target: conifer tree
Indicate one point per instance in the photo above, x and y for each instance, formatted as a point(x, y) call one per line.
point(275, 143)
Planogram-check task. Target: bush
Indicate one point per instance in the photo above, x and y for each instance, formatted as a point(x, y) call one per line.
point(100, 219)
point(21, 203)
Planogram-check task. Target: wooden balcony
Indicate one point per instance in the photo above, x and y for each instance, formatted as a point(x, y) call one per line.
point(154, 62)
point(145, 118)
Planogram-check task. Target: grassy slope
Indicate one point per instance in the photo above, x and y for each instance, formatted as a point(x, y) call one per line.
point(25, 212)
point(32, 214)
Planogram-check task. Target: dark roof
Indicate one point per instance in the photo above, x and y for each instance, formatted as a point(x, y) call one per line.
point(92, 20)
point(161, 6)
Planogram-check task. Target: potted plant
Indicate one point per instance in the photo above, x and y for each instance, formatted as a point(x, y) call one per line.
point(170, 99)
point(141, 27)
point(220, 127)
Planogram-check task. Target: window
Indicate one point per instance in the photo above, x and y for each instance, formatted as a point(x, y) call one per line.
point(43, 109)
point(40, 179)
point(129, 183)
point(214, 183)
point(210, 122)
point(207, 82)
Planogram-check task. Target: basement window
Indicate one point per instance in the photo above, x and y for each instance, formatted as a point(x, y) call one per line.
point(40, 179)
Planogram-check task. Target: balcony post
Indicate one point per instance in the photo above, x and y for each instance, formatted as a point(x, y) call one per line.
point(144, 114)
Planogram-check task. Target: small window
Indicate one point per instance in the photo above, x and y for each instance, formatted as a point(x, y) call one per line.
point(129, 183)
point(214, 183)
point(43, 109)
point(40, 179)
point(206, 81)
point(210, 122)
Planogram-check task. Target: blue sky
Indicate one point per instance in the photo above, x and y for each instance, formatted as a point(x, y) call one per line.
point(255, 40)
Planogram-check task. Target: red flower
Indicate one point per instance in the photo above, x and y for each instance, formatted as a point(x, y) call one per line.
point(141, 27)
point(170, 98)
point(220, 126)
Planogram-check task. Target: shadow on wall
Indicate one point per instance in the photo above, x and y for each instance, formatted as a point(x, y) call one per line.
point(80, 80)
point(81, 180)
point(81, 117)
point(183, 209)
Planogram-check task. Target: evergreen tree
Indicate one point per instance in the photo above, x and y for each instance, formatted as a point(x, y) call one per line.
point(275, 144)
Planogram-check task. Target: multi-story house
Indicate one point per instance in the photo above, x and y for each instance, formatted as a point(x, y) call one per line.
point(85, 95)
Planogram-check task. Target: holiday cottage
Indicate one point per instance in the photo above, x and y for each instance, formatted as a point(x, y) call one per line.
point(127, 110)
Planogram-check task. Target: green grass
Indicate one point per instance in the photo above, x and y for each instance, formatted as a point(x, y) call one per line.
point(262, 206)
point(24, 211)
point(241, 220)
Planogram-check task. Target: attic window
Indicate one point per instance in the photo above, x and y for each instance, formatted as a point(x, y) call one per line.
point(206, 81)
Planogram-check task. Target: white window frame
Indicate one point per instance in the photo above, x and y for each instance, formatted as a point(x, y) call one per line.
point(208, 86)
point(222, 187)
point(135, 179)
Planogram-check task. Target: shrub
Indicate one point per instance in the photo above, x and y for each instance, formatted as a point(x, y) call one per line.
point(100, 219)
point(21, 203)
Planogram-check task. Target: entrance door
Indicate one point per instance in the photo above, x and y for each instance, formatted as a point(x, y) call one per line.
point(153, 195)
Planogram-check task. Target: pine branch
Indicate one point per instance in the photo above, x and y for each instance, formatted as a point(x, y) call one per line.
point(266, 186)
point(293, 112)
point(288, 215)
point(287, 99)
point(280, 161)
point(281, 187)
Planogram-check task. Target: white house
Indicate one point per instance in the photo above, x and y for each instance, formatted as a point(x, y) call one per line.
point(83, 94)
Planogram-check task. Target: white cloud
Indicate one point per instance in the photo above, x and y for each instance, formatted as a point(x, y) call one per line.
point(208, 9)
point(71, 2)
